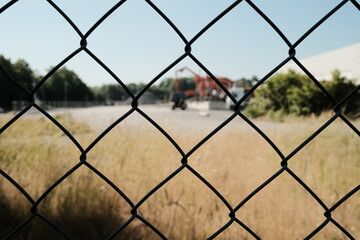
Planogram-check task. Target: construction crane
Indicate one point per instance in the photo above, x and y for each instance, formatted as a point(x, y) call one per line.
point(206, 87)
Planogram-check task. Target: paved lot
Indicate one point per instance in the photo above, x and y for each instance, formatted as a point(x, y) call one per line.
point(189, 121)
point(193, 120)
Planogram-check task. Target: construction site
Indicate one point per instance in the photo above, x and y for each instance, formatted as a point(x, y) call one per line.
point(207, 94)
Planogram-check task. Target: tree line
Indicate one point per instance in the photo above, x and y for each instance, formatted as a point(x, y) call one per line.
point(282, 94)
point(66, 85)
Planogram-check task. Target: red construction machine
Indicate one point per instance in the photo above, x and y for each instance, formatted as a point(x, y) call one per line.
point(206, 89)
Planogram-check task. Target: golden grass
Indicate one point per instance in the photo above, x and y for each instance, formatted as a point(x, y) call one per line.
point(235, 161)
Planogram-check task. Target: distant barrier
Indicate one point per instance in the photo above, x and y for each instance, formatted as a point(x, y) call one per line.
point(184, 163)
point(19, 105)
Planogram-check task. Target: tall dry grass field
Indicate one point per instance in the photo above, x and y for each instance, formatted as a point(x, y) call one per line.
point(235, 161)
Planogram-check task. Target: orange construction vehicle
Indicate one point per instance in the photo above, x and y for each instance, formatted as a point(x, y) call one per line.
point(206, 87)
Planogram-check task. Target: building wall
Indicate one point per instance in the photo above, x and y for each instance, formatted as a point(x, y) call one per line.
point(346, 59)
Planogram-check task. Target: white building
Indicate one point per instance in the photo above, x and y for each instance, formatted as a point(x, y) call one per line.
point(346, 60)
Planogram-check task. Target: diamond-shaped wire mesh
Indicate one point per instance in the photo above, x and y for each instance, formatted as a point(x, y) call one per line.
point(185, 164)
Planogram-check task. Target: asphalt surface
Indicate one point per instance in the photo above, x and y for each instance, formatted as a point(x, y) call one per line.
point(193, 120)
point(196, 122)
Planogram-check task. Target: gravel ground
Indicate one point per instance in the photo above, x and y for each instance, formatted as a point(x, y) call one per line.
point(194, 120)
point(189, 120)
point(101, 117)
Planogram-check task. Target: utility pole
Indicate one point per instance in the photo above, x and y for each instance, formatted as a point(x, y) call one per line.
point(65, 94)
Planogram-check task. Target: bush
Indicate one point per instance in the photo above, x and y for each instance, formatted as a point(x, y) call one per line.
point(296, 94)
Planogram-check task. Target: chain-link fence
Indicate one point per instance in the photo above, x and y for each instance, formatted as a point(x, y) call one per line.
point(35, 213)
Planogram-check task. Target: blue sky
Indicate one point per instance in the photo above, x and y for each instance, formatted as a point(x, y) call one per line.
point(137, 44)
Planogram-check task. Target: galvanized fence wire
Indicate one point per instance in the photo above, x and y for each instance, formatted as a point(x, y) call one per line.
point(184, 163)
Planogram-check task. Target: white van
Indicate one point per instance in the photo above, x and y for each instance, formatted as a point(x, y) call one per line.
point(238, 93)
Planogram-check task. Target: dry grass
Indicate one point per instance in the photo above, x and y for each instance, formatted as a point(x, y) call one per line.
point(235, 161)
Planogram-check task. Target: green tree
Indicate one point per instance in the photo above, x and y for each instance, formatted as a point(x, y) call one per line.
point(339, 87)
point(110, 92)
point(21, 72)
point(246, 83)
point(65, 84)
